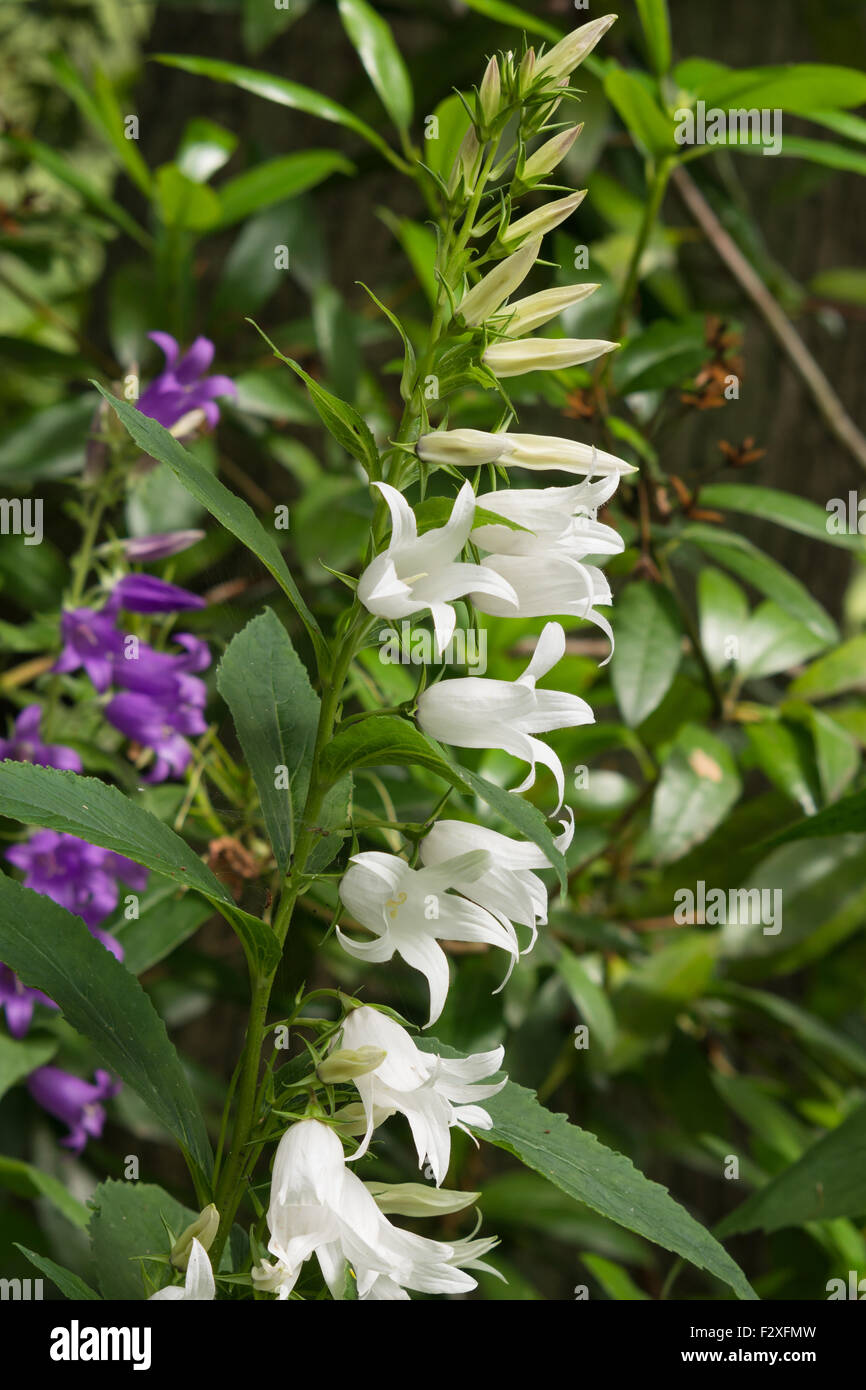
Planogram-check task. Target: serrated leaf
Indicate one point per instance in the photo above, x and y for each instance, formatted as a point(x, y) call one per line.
point(51, 950)
point(276, 714)
point(230, 511)
point(578, 1163)
point(101, 814)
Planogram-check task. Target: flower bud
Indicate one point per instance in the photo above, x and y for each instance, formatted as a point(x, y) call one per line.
point(565, 56)
point(527, 72)
point(466, 163)
point(417, 1199)
point(490, 91)
point(460, 448)
point(546, 451)
point(203, 1229)
point(346, 1063)
point(548, 155)
point(495, 287)
point(525, 315)
point(543, 354)
point(542, 220)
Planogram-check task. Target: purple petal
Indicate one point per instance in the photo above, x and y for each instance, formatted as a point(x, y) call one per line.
point(144, 593)
point(168, 345)
point(195, 361)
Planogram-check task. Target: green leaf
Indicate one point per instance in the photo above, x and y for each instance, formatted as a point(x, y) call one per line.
point(419, 243)
point(98, 104)
point(699, 784)
point(276, 714)
point(656, 25)
point(184, 203)
point(668, 353)
point(50, 443)
point(724, 613)
point(385, 740)
point(616, 1282)
point(647, 650)
point(102, 815)
point(575, 1161)
point(262, 22)
point(771, 504)
point(503, 13)
point(166, 919)
point(229, 510)
point(20, 1056)
point(277, 89)
point(129, 1222)
point(847, 283)
point(53, 951)
point(840, 670)
point(829, 1180)
point(339, 418)
point(844, 817)
point(590, 1000)
point(66, 173)
point(639, 111)
point(825, 1041)
point(276, 180)
point(649, 998)
point(752, 565)
point(784, 753)
point(375, 46)
point(204, 148)
point(773, 640)
point(26, 1181)
point(70, 1285)
point(800, 88)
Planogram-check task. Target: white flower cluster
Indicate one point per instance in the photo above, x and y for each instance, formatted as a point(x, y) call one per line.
point(472, 884)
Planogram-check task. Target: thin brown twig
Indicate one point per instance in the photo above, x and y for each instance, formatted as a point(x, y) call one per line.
point(830, 407)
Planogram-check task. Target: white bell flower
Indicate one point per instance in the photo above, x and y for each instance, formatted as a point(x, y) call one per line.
point(199, 1286)
point(420, 572)
point(540, 452)
point(525, 315)
point(509, 885)
point(408, 909)
point(542, 354)
point(434, 1094)
point(478, 712)
point(494, 288)
point(319, 1206)
point(545, 561)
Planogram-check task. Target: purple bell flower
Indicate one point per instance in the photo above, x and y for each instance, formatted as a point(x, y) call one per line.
point(75, 1102)
point(90, 639)
point(25, 745)
point(18, 1001)
point(144, 593)
point(76, 875)
point(161, 726)
point(183, 386)
point(144, 550)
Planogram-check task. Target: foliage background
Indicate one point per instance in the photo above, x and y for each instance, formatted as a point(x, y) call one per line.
point(708, 1048)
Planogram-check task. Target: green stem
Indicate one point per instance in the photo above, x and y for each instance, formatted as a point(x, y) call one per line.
point(658, 182)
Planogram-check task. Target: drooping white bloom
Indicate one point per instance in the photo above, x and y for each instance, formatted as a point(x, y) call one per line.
point(542, 354)
point(434, 1094)
point(199, 1286)
point(411, 910)
point(509, 885)
point(319, 1206)
point(478, 712)
point(545, 562)
point(525, 315)
point(542, 220)
point(420, 572)
point(467, 448)
point(494, 288)
point(564, 57)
